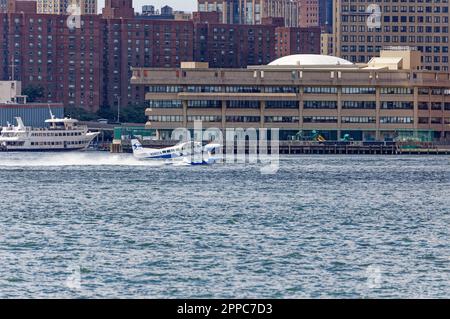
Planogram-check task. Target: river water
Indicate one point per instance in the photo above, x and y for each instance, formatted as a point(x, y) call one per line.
point(95, 225)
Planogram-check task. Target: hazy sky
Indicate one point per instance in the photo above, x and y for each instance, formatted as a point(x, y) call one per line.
point(184, 5)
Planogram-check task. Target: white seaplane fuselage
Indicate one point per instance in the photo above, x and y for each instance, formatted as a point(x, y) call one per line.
point(179, 150)
point(186, 153)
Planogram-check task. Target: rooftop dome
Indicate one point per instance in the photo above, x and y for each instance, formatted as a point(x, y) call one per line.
point(309, 59)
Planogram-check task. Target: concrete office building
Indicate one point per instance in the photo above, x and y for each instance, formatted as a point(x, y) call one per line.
point(301, 93)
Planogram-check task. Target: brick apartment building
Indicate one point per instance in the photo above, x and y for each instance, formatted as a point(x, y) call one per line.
point(90, 67)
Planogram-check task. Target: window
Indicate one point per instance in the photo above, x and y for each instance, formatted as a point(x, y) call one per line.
point(396, 120)
point(358, 90)
point(394, 90)
point(281, 119)
point(165, 104)
point(282, 104)
point(320, 119)
point(320, 104)
point(359, 105)
point(358, 119)
point(204, 104)
point(320, 90)
point(392, 105)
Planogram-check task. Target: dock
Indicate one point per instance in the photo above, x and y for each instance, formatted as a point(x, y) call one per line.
point(309, 147)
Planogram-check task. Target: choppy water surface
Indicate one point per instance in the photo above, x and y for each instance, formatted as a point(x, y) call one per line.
point(98, 225)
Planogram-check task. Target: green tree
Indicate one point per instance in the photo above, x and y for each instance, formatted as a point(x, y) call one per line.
point(107, 113)
point(80, 114)
point(33, 93)
point(128, 114)
point(134, 114)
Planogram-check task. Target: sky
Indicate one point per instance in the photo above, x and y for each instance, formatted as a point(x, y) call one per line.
point(182, 5)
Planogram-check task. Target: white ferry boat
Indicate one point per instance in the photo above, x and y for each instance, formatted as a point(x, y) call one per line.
point(60, 135)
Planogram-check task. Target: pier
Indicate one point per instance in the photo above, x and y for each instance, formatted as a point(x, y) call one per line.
point(329, 147)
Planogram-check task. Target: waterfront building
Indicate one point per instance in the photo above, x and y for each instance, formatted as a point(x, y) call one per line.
point(300, 94)
point(360, 35)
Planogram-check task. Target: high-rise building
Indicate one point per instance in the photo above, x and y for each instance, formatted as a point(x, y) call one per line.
point(251, 11)
point(60, 6)
point(362, 29)
point(291, 41)
point(287, 9)
point(42, 52)
point(326, 15)
point(308, 13)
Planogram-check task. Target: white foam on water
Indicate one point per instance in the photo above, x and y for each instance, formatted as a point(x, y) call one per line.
point(72, 159)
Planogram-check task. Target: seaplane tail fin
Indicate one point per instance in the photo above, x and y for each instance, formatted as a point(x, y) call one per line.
point(136, 145)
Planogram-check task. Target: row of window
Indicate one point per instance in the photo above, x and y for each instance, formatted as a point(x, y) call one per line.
point(389, 105)
point(295, 119)
point(57, 143)
point(434, 120)
point(57, 134)
point(293, 89)
point(436, 106)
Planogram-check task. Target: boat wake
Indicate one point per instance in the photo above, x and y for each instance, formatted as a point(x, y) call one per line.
point(72, 159)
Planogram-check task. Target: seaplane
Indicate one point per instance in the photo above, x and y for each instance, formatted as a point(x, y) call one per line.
point(184, 153)
point(179, 150)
